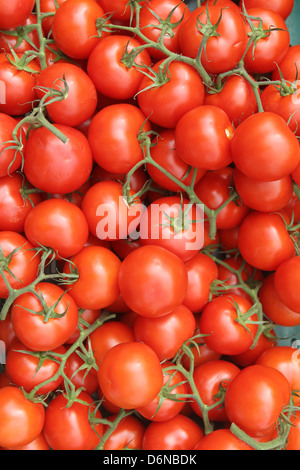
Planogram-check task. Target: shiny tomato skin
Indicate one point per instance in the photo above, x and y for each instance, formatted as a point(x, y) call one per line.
point(54, 166)
point(57, 224)
point(293, 440)
point(49, 6)
point(167, 103)
point(96, 266)
point(289, 65)
point(77, 107)
point(7, 41)
point(282, 7)
point(127, 435)
point(200, 148)
point(250, 356)
point(7, 333)
point(224, 50)
point(116, 79)
point(10, 160)
point(113, 137)
point(286, 277)
point(153, 281)
point(23, 264)
point(256, 397)
point(254, 149)
point(15, 13)
point(79, 375)
point(264, 241)
point(130, 375)
point(21, 420)
point(74, 27)
point(68, 428)
point(271, 49)
point(120, 9)
point(222, 439)
point(39, 443)
point(177, 433)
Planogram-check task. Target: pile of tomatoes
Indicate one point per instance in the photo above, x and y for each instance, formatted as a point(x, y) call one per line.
point(149, 225)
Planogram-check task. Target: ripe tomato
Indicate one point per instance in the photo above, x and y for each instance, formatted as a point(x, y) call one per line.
point(256, 152)
point(150, 16)
point(96, 266)
point(214, 189)
point(54, 166)
point(264, 241)
point(89, 316)
point(57, 224)
point(49, 6)
point(127, 435)
point(202, 137)
point(10, 159)
point(130, 375)
point(45, 322)
point(273, 306)
point(117, 80)
point(20, 45)
point(223, 50)
point(236, 98)
point(293, 440)
point(77, 107)
point(176, 385)
point(209, 379)
point(79, 375)
point(171, 97)
point(166, 334)
point(39, 443)
point(120, 8)
point(255, 398)
point(22, 420)
point(74, 27)
point(25, 369)
point(114, 137)
point(7, 334)
point(289, 65)
point(221, 321)
point(177, 433)
point(14, 13)
point(286, 277)
point(264, 196)
point(68, 428)
point(282, 7)
point(19, 262)
point(249, 357)
point(153, 281)
point(222, 439)
point(15, 202)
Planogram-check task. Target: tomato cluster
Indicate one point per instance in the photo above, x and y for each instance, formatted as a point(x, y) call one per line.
point(149, 225)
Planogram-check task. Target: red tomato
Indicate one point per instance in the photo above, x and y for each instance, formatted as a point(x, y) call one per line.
point(117, 80)
point(264, 53)
point(222, 439)
point(22, 420)
point(18, 44)
point(20, 92)
point(166, 334)
point(49, 6)
point(265, 196)
point(130, 375)
point(29, 371)
point(286, 277)
point(7, 333)
point(19, 262)
point(236, 98)
point(214, 189)
point(108, 215)
point(289, 65)
point(255, 398)
point(273, 306)
point(258, 155)
point(293, 440)
point(153, 281)
point(120, 8)
point(114, 137)
point(14, 13)
point(108, 335)
point(175, 384)
point(209, 378)
point(173, 223)
point(57, 224)
point(77, 107)
point(89, 316)
point(177, 89)
point(149, 22)
point(15, 201)
point(128, 433)
point(177, 433)
point(203, 136)
point(223, 4)
point(282, 7)
point(79, 375)
point(11, 159)
point(68, 428)
point(264, 241)
point(54, 166)
point(96, 265)
point(74, 27)
point(45, 322)
point(222, 320)
point(39, 443)
point(223, 50)
point(249, 357)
